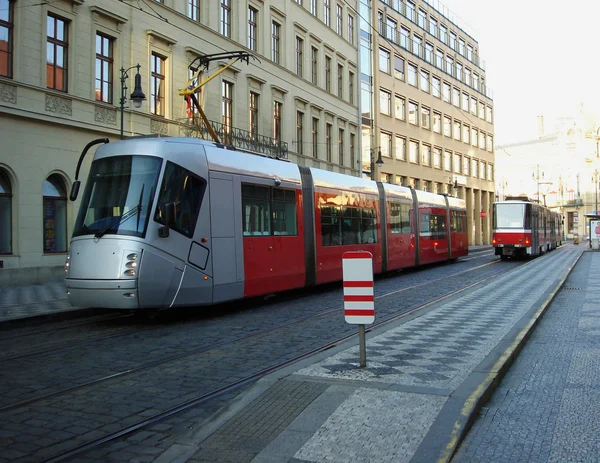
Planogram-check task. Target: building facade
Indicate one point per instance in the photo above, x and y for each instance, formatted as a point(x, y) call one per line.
point(65, 66)
point(431, 115)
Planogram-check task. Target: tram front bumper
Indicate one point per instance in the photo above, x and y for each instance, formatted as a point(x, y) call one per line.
point(109, 294)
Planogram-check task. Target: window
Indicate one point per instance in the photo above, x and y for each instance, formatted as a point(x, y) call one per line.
point(439, 59)
point(447, 160)
point(482, 141)
point(474, 106)
point(352, 145)
point(447, 126)
point(57, 49)
point(466, 134)
point(315, 137)
point(341, 146)
point(482, 170)
point(299, 130)
point(340, 19)
point(437, 122)
point(226, 18)
point(481, 110)
point(328, 142)
point(385, 102)
point(391, 30)
point(459, 71)
point(429, 52)
point(458, 222)
point(433, 26)
point(456, 163)
point(328, 73)
point(6, 42)
point(313, 7)
point(252, 27)
point(470, 52)
point(413, 151)
point(299, 53)
point(351, 29)
point(452, 42)
point(424, 81)
point(157, 85)
point(185, 190)
point(474, 168)
point(461, 46)
point(5, 214)
point(104, 68)
point(412, 113)
point(417, 45)
point(399, 218)
point(456, 97)
point(400, 148)
point(327, 12)
point(314, 55)
point(436, 87)
point(490, 143)
point(447, 90)
point(449, 65)
point(488, 113)
point(193, 9)
point(456, 130)
point(466, 166)
point(443, 33)
point(254, 99)
point(268, 211)
point(385, 142)
point(474, 139)
point(465, 101)
point(340, 77)
point(275, 38)
point(490, 172)
point(410, 10)
point(398, 68)
point(384, 61)
point(227, 110)
point(426, 155)
point(425, 117)
point(400, 108)
point(55, 215)
point(277, 107)
point(412, 74)
point(422, 18)
point(404, 37)
point(345, 225)
point(351, 87)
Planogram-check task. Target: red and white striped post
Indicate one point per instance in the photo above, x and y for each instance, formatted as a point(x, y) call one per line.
point(359, 299)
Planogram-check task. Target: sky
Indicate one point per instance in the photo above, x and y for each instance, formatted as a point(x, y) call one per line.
point(542, 59)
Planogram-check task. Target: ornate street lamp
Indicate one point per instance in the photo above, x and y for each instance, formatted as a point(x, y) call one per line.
point(137, 96)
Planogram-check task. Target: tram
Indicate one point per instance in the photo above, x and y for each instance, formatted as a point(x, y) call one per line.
point(171, 222)
point(524, 228)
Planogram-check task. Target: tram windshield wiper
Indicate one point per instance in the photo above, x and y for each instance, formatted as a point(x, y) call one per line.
point(118, 220)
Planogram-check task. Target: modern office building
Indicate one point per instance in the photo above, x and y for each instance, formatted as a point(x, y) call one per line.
point(68, 67)
point(430, 113)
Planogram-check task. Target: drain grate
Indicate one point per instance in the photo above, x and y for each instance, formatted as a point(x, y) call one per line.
point(572, 289)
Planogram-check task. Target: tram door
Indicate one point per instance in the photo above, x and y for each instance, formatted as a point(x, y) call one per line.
point(535, 228)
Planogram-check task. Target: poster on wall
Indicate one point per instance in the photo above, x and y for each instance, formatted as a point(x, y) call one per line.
point(49, 226)
point(595, 229)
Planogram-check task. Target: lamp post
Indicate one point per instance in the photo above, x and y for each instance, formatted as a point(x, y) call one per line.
point(137, 96)
point(379, 162)
point(453, 185)
point(537, 179)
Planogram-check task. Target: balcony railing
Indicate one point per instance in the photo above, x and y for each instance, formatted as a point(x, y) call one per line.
point(239, 138)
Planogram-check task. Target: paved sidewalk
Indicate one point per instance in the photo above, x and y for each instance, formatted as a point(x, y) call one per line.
point(425, 381)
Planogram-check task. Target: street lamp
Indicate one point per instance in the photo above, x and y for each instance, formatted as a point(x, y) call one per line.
point(137, 96)
point(537, 179)
point(453, 185)
point(379, 161)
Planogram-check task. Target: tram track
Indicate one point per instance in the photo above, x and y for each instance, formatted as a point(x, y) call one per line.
point(234, 385)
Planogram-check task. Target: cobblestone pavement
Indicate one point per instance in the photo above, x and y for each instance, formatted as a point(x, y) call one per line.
point(546, 408)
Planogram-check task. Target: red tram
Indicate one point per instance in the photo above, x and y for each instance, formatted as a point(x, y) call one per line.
point(524, 228)
point(214, 224)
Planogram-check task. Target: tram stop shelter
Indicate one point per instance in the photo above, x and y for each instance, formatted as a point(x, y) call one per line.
point(593, 223)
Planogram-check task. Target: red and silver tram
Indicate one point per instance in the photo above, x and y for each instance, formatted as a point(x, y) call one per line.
point(180, 222)
point(524, 228)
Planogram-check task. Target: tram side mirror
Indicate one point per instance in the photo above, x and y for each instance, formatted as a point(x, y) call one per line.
point(74, 190)
point(168, 212)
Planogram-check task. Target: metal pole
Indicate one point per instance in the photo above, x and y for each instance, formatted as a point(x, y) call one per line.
point(372, 165)
point(122, 100)
point(362, 346)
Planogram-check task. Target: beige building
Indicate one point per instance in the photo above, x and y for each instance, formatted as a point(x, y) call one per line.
point(560, 168)
point(63, 64)
point(432, 114)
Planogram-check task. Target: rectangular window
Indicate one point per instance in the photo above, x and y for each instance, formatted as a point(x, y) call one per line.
point(104, 68)
point(345, 225)
point(436, 87)
point(437, 122)
point(447, 90)
point(400, 148)
point(193, 10)
point(399, 218)
point(384, 61)
point(313, 7)
point(422, 18)
point(400, 108)
point(474, 168)
point(466, 166)
point(426, 155)
point(340, 19)
point(157, 85)
point(456, 163)
point(456, 130)
point(410, 10)
point(459, 71)
point(268, 211)
point(429, 52)
point(275, 41)
point(452, 41)
point(252, 27)
point(465, 102)
point(447, 160)
point(314, 55)
point(425, 117)
point(489, 143)
point(488, 114)
point(385, 102)
point(6, 37)
point(424, 81)
point(412, 74)
point(299, 55)
point(57, 48)
point(341, 152)
point(398, 67)
point(481, 110)
point(404, 37)
point(443, 33)
point(447, 126)
point(327, 12)
point(385, 142)
point(225, 25)
point(490, 172)
point(315, 137)
point(351, 87)
point(433, 26)
point(466, 135)
point(439, 59)
point(328, 73)
point(227, 110)
point(351, 29)
point(456, 97)
point(474, 138)
point(417, 45)
point(340, 77)
point(352, 148)
point(277, 107)
point(413, 151)
point(299, 130)
point(482, 170)
point(412, 113)
point(254, 98)
point(482, 141)
point(328, 142)
point(473, 106)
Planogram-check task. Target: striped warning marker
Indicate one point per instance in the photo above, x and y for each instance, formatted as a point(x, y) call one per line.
point(359, 300)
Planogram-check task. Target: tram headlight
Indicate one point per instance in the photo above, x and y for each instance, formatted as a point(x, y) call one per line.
point(67, 264)
point(130, 272)
point(131, 264)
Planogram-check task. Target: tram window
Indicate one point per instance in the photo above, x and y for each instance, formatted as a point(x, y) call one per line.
point(185, 190)
point(368, 226)
point(433, 225)
point(399, 218)
point(268, 211)
point(458, 223)
point(348, 225)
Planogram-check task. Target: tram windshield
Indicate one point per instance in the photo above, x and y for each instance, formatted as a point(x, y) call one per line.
point(511, 216)
point(118, 196)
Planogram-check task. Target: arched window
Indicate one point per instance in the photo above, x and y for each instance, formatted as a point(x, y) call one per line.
point(55, 215)
point(5, 214)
